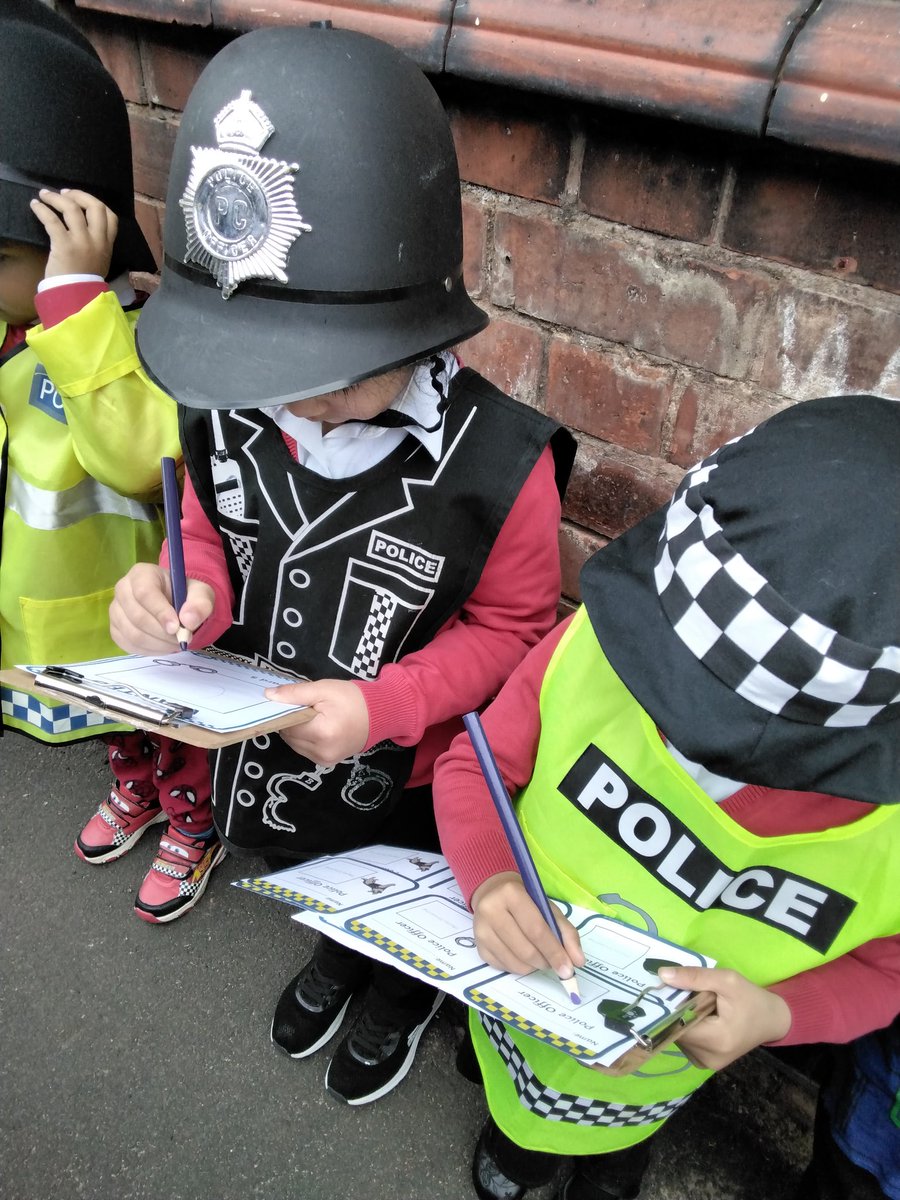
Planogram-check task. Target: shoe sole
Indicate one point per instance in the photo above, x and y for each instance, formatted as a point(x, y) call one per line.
point(326, 1036)
point(117, 851)
point(153, 919)
point(401, 1074)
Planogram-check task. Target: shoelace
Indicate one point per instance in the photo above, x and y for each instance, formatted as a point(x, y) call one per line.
point(316, 990)
point(371, 1034)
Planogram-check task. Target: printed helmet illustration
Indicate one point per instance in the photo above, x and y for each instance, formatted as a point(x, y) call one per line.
point(313, 232)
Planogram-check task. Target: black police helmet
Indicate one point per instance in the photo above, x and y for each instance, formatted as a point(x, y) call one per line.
point(38, 12)
point(65, 125)
point(313, 233)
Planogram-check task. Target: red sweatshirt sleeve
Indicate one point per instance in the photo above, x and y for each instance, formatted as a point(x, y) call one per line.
point(846, 998)
point(513, 605)
point(204, 559)
point(472, 837)
point(54, 304)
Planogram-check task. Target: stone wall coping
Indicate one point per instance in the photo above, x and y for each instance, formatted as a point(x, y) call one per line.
point(824, 74)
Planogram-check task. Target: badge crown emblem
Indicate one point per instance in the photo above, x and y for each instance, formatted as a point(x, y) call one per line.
point(243, 126)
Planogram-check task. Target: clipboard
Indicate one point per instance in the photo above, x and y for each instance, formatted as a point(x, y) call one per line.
point(405, 908)
point(168, 709)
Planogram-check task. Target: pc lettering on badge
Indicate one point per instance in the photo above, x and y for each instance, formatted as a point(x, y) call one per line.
point(43, 395)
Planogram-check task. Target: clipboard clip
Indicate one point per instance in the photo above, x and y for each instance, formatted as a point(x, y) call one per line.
point(62, 681)
point(617, 1016)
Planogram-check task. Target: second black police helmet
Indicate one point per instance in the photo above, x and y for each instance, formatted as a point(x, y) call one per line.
point(313, 232)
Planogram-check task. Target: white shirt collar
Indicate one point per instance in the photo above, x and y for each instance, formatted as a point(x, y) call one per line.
point(717, 787)
point(353, 447)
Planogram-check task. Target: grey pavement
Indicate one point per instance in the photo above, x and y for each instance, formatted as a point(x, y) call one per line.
point(137, 1061)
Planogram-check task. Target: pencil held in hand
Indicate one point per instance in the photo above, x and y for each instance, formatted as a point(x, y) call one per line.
point(514, 835)
point(172, 509)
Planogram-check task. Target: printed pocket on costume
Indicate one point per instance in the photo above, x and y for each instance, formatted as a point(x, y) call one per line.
point(67, 630)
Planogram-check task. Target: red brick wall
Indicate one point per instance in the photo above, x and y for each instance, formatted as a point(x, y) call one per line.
point(657, 288)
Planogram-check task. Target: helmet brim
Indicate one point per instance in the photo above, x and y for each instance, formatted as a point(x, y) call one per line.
point(19, 224)
point(250, 352)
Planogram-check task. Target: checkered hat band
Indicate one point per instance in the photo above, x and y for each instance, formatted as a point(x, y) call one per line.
point(731, 619)
point(551, 1105)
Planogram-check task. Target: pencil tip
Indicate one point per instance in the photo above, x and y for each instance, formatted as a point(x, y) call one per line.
point(571, 986)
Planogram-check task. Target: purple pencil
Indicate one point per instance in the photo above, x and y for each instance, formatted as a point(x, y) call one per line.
point(514, 836)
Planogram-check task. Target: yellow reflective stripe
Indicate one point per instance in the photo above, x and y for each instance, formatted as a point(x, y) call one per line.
point(41, 508)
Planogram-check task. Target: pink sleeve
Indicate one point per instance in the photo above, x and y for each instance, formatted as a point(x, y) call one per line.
point(512, 606)
point(472, 837)
point(204, 559)
point(54, 304)
point(846, 998)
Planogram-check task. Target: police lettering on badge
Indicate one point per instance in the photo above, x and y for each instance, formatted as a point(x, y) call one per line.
point(665, 846)
point(239, 209)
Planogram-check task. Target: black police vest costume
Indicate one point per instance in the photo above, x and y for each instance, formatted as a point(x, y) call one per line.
point(363, 571)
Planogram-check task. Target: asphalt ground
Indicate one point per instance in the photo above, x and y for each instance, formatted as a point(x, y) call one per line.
point(137, 1063)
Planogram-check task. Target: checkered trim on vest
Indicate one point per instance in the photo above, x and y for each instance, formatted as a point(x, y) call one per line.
point(368, 656)
point(551, 1105)
point(61, 718)
point(732, 619)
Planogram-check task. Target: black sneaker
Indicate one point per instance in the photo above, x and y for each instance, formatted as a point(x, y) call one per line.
point(376, 1054)
point(503, 1170)
point(310, 1010)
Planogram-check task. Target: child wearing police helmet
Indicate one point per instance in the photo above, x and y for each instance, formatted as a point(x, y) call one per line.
point(361, 511)
point(708, 750)
point(82, 430)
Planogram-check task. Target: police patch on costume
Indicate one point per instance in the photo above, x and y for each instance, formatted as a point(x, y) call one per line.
point(239, 209)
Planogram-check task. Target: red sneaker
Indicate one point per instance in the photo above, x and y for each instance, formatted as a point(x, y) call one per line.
point(116, 826)
point(178, 876)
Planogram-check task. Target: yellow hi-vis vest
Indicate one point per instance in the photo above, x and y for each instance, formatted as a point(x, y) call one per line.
point(82, 430)
point(615, 824)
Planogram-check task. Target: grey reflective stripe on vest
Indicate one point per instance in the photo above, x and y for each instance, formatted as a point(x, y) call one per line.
point(40, 508)
point(551, 1105)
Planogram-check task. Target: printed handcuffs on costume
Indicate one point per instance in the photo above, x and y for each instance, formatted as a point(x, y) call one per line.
point(239, 209)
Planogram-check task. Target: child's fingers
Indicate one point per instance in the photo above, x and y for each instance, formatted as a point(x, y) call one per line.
point(141, 617)
point(559, 957)
point(511, 932)
point(293, 693)
point(691, 979)
point(198, 605)
point(82, 232)
point(571, 940)
point(46, 215)
point(79, 208)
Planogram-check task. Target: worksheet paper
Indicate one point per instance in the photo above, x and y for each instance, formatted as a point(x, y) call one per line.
point(226, 693)
point(405, 908)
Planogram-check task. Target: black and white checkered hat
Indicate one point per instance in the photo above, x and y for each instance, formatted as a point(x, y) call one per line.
point(757, 617)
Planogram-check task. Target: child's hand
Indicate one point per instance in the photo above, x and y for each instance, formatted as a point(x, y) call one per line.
point(141, 617)
point(512, 935)
point(746, 1016)
point(339, 728)
point(82, 232)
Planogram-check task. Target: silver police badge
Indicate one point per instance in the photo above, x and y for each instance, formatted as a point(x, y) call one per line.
point(239, 209)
